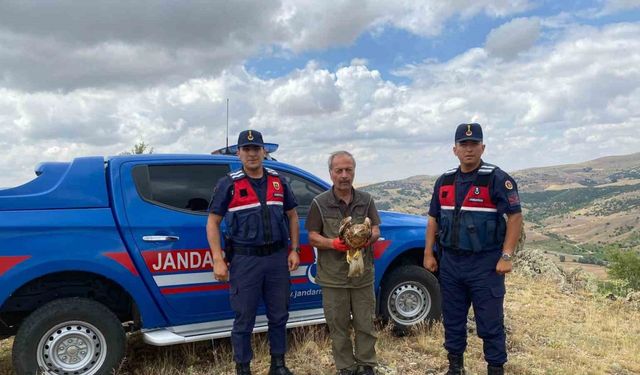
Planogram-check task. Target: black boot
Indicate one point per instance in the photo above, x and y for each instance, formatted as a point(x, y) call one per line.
point(365, 370)
point(456, 364)
point(243, 368)
point(277, 365)
point(495, 370)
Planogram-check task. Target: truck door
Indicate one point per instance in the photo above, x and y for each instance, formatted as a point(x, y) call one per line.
point(165, 205)
point(305, 293)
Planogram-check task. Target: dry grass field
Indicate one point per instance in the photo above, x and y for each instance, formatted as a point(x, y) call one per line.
point(549, 332)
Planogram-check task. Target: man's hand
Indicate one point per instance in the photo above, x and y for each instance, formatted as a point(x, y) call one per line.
point(220, 270)
point(430, 262)
point(503, 267)
point(339, 245)
point(294, 260)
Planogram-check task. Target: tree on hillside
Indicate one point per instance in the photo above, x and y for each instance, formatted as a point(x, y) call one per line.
point(624, 265)
point(139, 148)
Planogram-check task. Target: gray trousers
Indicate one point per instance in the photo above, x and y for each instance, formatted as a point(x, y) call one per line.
point(345, 308)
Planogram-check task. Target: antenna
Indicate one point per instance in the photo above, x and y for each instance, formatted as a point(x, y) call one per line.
point(227, 124)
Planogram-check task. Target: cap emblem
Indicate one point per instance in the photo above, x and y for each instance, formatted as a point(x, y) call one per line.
point(468, 133)
point(250, 136)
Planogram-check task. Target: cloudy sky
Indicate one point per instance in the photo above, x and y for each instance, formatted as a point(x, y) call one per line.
point(551, 81)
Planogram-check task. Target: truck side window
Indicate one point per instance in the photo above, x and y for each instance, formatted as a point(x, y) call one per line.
point(186, 187)
point(303, 189)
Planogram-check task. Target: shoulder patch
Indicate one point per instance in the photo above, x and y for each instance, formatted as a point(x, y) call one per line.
point(508, 184)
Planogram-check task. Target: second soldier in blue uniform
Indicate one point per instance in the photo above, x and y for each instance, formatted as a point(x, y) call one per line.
point(259, 212)
point(476, 245)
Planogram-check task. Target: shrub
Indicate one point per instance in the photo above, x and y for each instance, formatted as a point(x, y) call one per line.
point(624, 265)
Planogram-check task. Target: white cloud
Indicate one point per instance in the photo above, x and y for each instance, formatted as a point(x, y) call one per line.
point(615, 6)
point(575, 97)
point(67, 45)
point(513, 37)
point(306, 93)
point(532, 110)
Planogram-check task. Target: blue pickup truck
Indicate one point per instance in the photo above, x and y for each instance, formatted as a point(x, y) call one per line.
point(95, 247)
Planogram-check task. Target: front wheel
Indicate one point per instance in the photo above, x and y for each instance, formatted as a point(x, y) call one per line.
point(69, 336)
point(410, 295)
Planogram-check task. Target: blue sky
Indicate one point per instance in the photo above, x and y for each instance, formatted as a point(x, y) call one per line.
point(392, 48)
point(550, 81)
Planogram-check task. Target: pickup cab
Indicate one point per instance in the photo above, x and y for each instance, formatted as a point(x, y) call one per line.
point(98, 246)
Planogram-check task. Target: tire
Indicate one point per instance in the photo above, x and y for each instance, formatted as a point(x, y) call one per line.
point(410, 295)
point(69, 336)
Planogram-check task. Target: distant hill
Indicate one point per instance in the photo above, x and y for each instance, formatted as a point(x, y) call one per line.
point(610, 170)
point(575, 208)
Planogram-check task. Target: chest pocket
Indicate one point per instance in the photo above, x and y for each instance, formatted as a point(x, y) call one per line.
point(359, 212)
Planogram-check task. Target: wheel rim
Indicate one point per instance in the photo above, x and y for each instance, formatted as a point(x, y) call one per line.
point(409, 303)
point(73, 347)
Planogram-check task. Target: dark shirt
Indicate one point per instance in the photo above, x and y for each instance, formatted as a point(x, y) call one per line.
point(222, 194)
point(503, 189)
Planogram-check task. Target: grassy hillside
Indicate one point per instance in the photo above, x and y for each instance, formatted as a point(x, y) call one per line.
point(586, 221)
point(411, 195)
point(551, 330)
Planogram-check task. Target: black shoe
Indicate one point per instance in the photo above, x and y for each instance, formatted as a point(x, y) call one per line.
point(495, 370)
point(456, 364)
point(345, 371)
point(365, 370)
point(243, 368)
point(277, 365)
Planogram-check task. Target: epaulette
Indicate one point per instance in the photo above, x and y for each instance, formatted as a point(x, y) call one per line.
point(236, 175)
point(449, 177)
point(271, 171)
point(484, 174)
point(487, 168)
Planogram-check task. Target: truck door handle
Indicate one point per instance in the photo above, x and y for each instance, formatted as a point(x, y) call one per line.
point(160, 238)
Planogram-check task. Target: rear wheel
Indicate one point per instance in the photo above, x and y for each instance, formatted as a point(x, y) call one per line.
point(410, 295)
point(70, 336)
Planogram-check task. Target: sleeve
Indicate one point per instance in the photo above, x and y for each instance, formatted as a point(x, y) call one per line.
point(314, 218)
point(505, 194)
point(290, 201)
point(221, 197)
point(373, 213)
point(434, 205)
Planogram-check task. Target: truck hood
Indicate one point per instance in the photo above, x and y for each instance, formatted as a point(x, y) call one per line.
point(390, 218)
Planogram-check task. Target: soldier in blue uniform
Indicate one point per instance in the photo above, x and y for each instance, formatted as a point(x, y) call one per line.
point(475, 248)
point(258, 208)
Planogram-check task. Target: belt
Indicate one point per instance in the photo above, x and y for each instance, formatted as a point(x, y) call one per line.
point(458, 252)
point(260, 251)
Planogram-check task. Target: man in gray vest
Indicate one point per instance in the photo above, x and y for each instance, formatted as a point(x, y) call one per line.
point(347, 301)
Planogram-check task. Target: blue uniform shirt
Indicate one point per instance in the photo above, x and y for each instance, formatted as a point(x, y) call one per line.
point(503, 188)
point(222, 194)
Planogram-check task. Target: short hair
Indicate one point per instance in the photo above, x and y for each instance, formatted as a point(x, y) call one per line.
point(340, 153)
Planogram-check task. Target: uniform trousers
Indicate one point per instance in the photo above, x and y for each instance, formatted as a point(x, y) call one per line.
point(471, 279)
point(345, 308)
point(251, 279)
